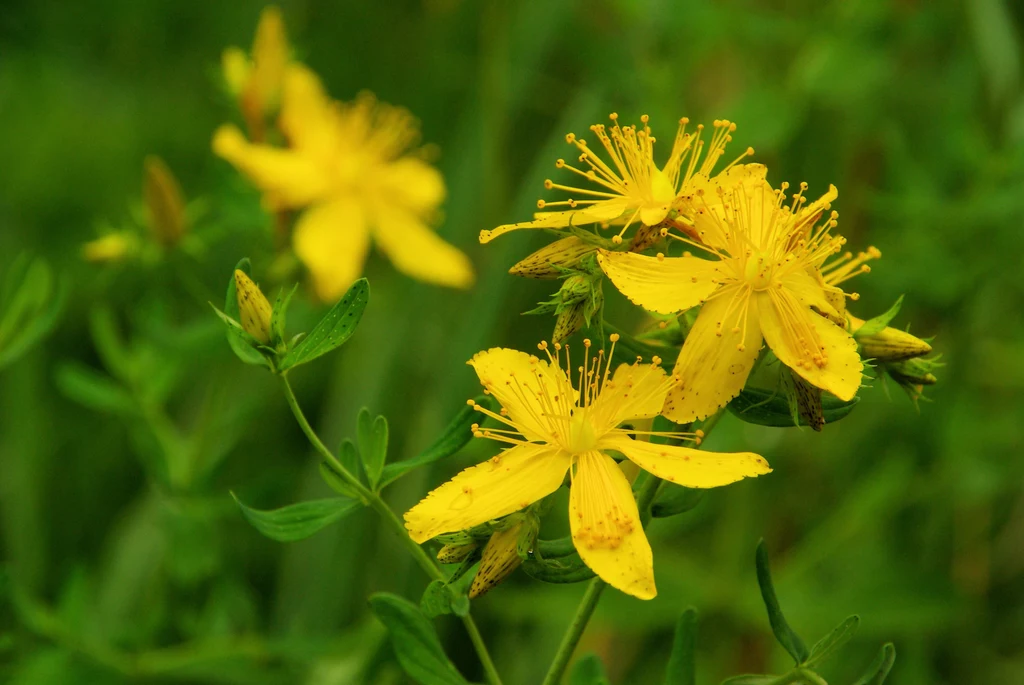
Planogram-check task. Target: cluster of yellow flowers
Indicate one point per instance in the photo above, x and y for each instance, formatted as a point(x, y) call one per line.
point(763, 264)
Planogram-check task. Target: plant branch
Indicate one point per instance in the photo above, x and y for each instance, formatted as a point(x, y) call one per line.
point(374, 501)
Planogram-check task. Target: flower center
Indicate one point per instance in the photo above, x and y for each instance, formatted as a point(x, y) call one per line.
point(757, 271)
point(582, 437)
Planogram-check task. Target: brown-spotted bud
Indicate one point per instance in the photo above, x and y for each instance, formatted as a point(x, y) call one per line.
point(165, 209)
point(254, 310)
point(500, 558)
point(889, 344)
point(455, 554)
point(552, 260)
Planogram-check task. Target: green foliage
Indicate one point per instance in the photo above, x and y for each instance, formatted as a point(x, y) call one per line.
point(682, 662)
point(828, 645)
point(876, 324)
point(878, 671)
point(30, 304)
point(786, 636)
point(675, 499)
point(298, 521)
point(415, 641)
point(333, 330)
point(372, 434)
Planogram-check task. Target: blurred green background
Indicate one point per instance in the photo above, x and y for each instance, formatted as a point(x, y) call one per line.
point(119, 572)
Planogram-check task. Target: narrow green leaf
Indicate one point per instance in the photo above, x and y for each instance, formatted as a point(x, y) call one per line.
point(750, 679)
point(32, 302)
point(372, 435)
point(552, 549)
point(94, 389)
point(334, 481)
point(453, 439)
point(783, 633)
point(878, 323)
point(415, 641)
point(242, 344)
point(297, 521)
point(767, 408)
point(880, 667)
point(675, 499)
point(588, 671)
point(682, 664)
point(334, 329)
point(828, 645)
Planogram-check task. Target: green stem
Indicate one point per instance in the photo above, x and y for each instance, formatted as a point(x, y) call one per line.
point(644, 497)
point(374, 501)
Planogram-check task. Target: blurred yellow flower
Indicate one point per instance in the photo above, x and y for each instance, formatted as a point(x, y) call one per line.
point(632, 186)
point(556, 427)
point(256, 82)
point(112, 247)
point(353, 168)
point(165, 207)
point(764, 284)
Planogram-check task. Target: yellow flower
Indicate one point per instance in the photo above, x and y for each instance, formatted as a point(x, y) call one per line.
point(763, 285)
point(632, 186)
point(556, 427)
point(112, 247)
point(350, 166)
point(257, 82)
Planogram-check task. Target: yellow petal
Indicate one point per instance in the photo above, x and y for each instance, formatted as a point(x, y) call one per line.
point(606, 528)
point(308, 118)
point(414, 184)
point(332, 239)
point(811, 293)
point(287, 177)
point(685, 465)
point(504, 484)
point(712, 368)
point(269, 57)
point(417, 251)
point(822, 353)
point(702, 201)
point(662, 194)
point(635, 391)
point(665, 285)
point(606, 210)
point(518, 381)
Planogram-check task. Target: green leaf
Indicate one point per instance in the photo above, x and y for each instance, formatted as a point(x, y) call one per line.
point(453, 439)
point(336, 482)
point(415, 641)
point(588, 671)
point(751, 680)
point(682, 664)
point(298, 521)
point(280, 313)
point(242, 344)
point(372, 435)
point(441, 598)
point(334, 329)
point(879, 669)
point(94, 389)
point(828, 645)
point(783, 633)
point(767, 408)
point(675, 499)
point(550, 549)
point(32, 301)
point(877, 324)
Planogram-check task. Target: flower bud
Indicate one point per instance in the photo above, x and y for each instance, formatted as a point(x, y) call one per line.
point(455, 554)
point(254, 310)
point(113, 247)
point(500, 558)
point(889, 344)
point(552, 260)
point(165, 210)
